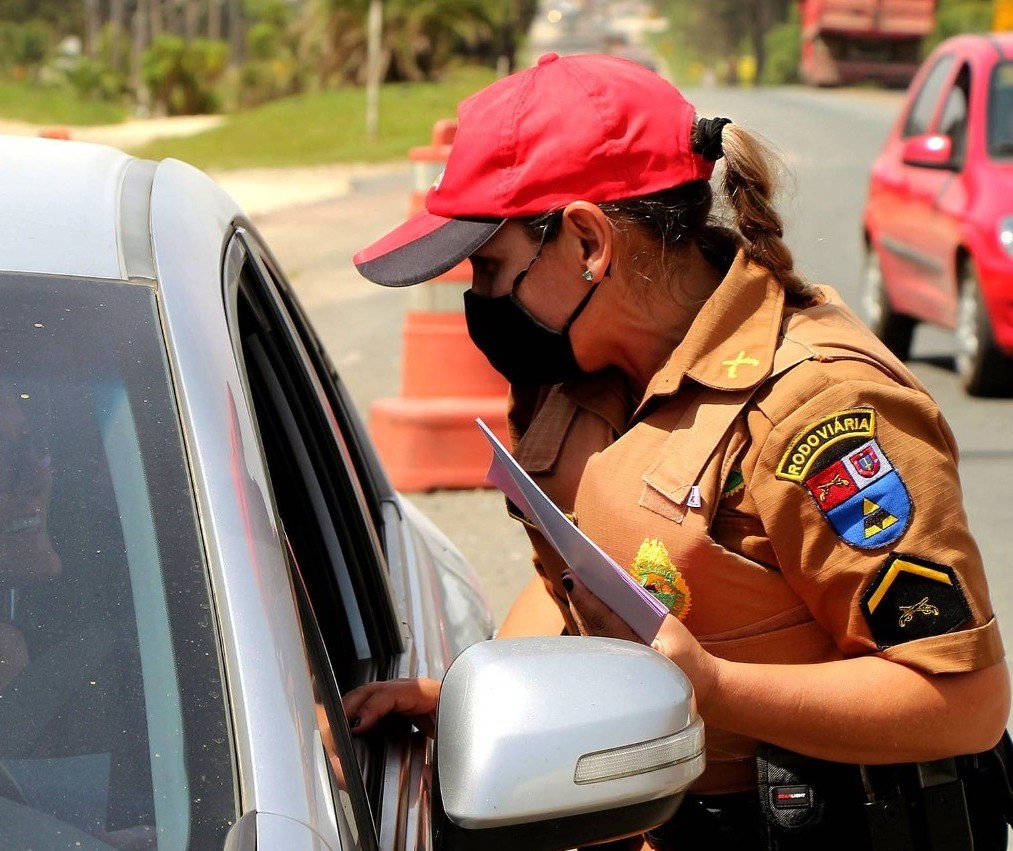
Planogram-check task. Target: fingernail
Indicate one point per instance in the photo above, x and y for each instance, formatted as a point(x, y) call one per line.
point(567, 584)
point(356, 721)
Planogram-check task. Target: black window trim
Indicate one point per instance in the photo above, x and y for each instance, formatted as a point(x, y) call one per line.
point(372, 474)
point(373, 588)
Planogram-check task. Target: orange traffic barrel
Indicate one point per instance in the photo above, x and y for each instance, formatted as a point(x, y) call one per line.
point(427, 436)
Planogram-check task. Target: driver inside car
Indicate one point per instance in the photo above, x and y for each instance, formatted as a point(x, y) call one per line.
point(27, 554)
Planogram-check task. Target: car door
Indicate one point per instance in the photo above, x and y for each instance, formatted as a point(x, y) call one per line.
point(898, 191)
point(349, 548)
point(939, 201)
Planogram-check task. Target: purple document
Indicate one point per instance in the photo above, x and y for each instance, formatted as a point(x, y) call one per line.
point(606, 579)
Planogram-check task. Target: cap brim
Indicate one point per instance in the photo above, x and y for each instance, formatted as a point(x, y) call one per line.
point(423, 248)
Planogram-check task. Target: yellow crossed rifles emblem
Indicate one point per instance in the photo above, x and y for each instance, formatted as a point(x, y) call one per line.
point(922, 607)
point(741, 359)
point(912, 598)
point(836, 482)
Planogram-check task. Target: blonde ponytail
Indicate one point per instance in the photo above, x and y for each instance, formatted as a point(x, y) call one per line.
point(750, 185)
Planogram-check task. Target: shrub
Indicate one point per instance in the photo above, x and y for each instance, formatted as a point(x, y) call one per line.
point(964, 16)
point(182, 77)
point(93, 79)
point(24, 47)
point(784, 53)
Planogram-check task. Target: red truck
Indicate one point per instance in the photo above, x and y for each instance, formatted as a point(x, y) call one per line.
point(851, 41)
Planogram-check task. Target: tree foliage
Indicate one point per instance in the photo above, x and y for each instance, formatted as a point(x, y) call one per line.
point(420, 37)
point(961, 16)
point(62, 16)
point(716, 32)
point(182, 75)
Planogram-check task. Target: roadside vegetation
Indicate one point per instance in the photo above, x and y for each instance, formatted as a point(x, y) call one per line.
point(184, 57)
point(325, 127)
point(42, 105)
point(289, 75)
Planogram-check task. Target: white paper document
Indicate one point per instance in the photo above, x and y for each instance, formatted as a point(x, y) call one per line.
point(606, 579)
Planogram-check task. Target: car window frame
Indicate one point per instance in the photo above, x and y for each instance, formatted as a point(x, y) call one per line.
point(954, 84)
point(376, 585)
point(355, 785)
point(373, 476)
point(385, 633)
point(990, 112)
point(948, 62)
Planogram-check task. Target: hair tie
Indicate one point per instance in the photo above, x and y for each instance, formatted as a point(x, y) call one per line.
point(708, 138)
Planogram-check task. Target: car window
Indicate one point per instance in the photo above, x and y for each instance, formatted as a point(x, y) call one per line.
point(335, 547)
point(113, 723)
point(999, 131)
point(923, 105)
point(953, 119)
point(353, 813)
point(371, 474)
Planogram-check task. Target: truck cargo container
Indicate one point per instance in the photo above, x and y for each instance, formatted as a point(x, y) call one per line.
point(852, 41)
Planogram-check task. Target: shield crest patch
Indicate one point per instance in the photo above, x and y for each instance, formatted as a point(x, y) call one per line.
point(850, 478)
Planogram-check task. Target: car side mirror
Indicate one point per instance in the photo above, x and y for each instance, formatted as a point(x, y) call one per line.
point(930, 150)
point(551, 743)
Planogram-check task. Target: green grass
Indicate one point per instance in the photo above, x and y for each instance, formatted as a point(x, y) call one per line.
point(47, 105)
point(325, 127)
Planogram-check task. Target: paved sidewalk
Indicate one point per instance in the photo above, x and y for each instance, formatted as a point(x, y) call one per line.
point(260, 191)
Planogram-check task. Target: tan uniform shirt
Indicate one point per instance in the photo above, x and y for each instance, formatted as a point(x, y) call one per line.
point(801, 479)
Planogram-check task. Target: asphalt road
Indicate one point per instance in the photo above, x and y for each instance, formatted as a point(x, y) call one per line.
point(827, 140)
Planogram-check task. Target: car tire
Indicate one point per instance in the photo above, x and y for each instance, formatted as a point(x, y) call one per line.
point(896, 330)
point(983, 369)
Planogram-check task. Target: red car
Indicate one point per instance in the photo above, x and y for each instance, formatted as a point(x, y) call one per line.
point(939, 219)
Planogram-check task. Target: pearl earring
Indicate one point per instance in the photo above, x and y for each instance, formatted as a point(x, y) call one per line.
point(588, 275)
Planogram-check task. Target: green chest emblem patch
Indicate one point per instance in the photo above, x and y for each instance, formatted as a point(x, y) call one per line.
point(654, 570)
point(733, 484)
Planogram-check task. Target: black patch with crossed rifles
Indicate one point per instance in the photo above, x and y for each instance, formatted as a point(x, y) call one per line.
point(912, 598)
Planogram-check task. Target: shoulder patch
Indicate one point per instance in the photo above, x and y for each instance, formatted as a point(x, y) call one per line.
point(911, 598)
point(815, 440)
point(851, 480)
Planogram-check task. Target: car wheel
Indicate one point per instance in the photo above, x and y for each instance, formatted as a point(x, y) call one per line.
point(982, 367)
point(894, 329)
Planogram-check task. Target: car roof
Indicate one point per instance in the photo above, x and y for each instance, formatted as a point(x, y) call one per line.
point(60, 207)
point(92, 211)
point(1004, 42)
point(997, 45)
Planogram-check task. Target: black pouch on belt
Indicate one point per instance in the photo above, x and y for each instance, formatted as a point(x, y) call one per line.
point(808, 803)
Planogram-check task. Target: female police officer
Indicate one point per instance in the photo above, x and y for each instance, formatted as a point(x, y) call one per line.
point(723, 428)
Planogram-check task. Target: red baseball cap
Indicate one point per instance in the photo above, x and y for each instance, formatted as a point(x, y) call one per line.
point(589, 127)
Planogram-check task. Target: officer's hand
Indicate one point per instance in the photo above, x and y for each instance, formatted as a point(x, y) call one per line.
point(415, 699)
point(591, 615)
point(676, 642)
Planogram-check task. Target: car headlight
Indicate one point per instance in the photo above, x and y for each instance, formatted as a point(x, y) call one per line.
point(1006, 234)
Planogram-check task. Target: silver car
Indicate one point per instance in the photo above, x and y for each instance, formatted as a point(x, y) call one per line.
point(200, 552)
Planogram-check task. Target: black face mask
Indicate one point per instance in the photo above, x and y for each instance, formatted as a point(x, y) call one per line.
point(518, 346)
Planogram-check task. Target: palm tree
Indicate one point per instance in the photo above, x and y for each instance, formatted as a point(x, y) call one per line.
point(423, 34)
point(419, 36)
